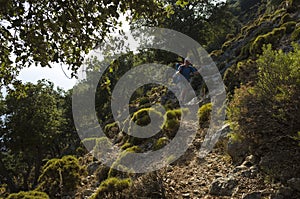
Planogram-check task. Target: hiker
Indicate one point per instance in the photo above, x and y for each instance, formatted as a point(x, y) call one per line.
point(187, 71)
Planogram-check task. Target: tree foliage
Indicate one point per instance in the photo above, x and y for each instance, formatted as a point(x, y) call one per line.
point(270, 108)
point(36, 126)
point(43, 32)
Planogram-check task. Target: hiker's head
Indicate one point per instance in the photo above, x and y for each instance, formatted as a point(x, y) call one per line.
point(187, 61)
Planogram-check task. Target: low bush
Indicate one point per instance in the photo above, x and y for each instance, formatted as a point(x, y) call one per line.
point(60, 176)
point(204, 114)
point(269, 109)
point(28, 195)
point(111, 188)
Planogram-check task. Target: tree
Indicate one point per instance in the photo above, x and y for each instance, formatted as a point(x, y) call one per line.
point(34, 129)
point(43, 32)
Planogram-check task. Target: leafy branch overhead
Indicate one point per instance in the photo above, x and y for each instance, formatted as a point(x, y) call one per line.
point(41, 32)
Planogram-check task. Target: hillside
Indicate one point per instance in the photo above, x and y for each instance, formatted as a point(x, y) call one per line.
point(231, 170)
point(256, 156)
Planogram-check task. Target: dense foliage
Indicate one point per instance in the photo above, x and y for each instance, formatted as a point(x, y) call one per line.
point(274, 99)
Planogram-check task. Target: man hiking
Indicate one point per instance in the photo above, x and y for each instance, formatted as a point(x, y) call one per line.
point(187, 71)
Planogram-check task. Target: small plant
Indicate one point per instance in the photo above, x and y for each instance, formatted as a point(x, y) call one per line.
point(160, 143)
point(111, 187)
point(296, 34)
point(28, 195)
point(270, 37)
point(60, 176)
point(204, 113)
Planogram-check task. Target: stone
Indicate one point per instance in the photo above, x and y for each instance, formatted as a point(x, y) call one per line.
point(253, 195)
point(223, 186)
point(237, 149)
point(186, 195)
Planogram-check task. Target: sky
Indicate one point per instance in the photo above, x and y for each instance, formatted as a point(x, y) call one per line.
point(54, 74)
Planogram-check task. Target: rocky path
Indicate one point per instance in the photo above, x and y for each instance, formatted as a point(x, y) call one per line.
point(213, 177)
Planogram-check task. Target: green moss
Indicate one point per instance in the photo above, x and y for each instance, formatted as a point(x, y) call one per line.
point(204, 113)
point(102, 144)
point(112, 186)
point(134, 149)
point(216, 53)
point(160, 143)
point(118, 169)
point(226, 45)
point(295, 34)
point(28, 195)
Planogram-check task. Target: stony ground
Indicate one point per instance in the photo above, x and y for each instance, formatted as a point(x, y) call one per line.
point(190, 177)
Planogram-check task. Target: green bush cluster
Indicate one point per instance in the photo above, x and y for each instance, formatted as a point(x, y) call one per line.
point(172, 121)
point(204, 114)
point(295, 34)
point(101, 148)
point(268, 109)
point(28, 195)
point(286, 18)
point(60, 176)
point(118, 167)
point(160, 143)
point(111, 187)
point(271, 37)
point(289, 26)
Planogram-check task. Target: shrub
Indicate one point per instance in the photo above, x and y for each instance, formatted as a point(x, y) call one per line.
point(160, 143)
point(111, 187)
point(270, 37)
point(286, 18)
point(268, 109)
point(204, 114)
point(118, 169)
point(295, 34)
point(126, 145)
point(28, 195)
point(289, 26)
point(111, 129)
point(60, 176)
point(172, 121)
